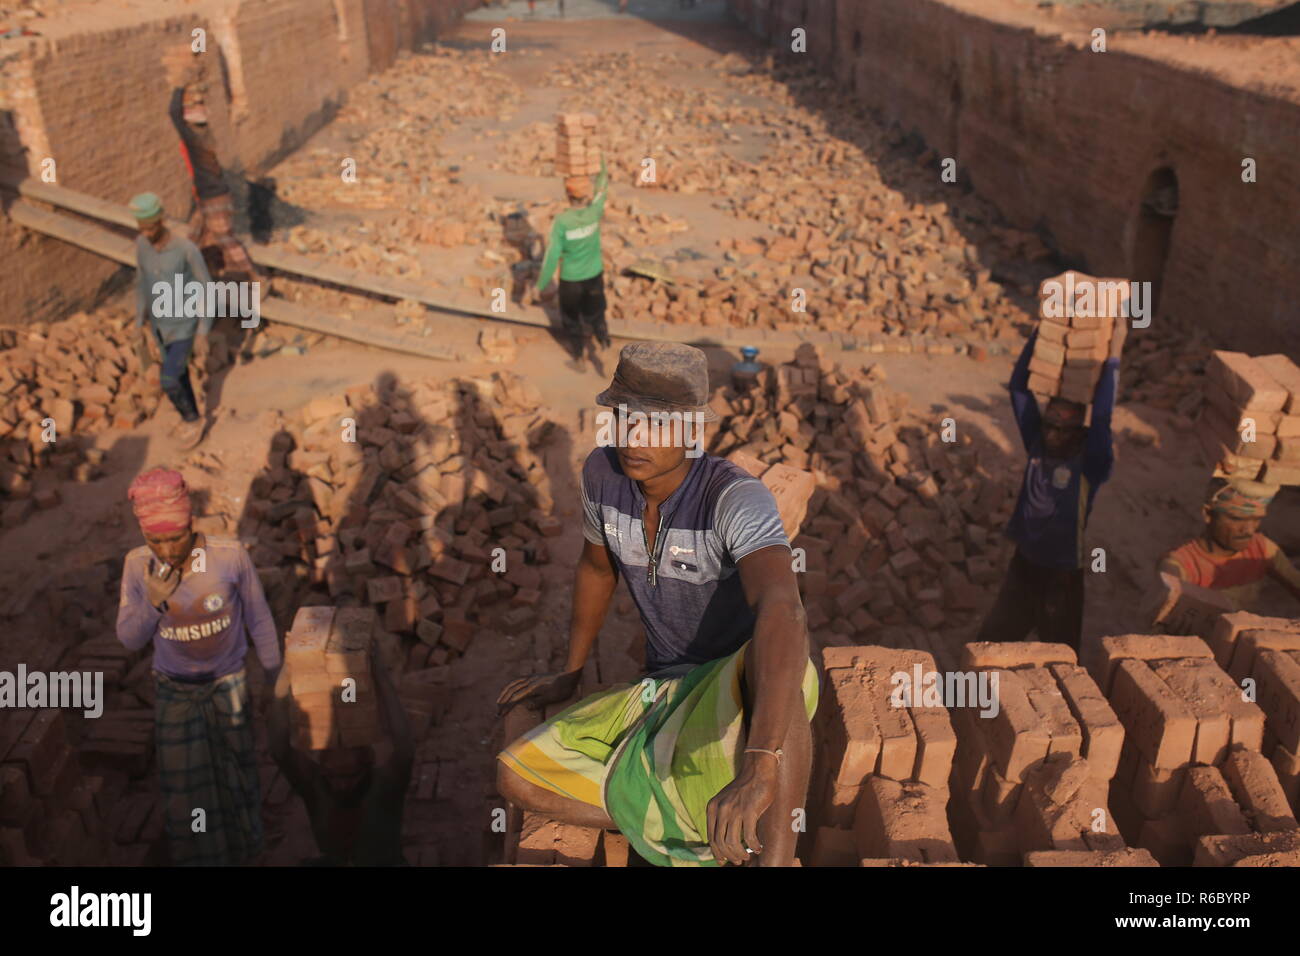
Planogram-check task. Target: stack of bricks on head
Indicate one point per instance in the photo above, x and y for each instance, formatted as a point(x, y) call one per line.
point(575, 148)
point(326, 647)
point(1073, 345)
point(1250, 422)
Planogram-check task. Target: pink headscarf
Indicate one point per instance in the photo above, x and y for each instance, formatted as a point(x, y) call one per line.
point(161, 501)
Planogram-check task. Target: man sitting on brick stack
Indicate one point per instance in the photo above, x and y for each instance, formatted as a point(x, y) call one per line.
point(1231, 556)
point(575, 247)
point(198, 598)
point(1068, 462)
point(705, 760)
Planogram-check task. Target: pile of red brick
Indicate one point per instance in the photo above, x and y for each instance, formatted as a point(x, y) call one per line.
point(902, 527)
point(1033, 776)
point(83, 373)
point(50, 813)
point(1191, 765)
point(879, 789)
point(1250, 424)
point(427, 503)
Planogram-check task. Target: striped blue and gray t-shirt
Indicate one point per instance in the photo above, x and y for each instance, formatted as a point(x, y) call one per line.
point(695, 609)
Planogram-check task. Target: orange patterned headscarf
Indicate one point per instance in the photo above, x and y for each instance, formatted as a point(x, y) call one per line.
point(161, 501)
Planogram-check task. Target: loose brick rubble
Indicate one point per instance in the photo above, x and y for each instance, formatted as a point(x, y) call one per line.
point(902, 529)
point(50, 812)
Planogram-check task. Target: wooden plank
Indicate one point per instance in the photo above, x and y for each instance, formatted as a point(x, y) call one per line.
point(392, 287)
point(280, 259)
point(121, 249)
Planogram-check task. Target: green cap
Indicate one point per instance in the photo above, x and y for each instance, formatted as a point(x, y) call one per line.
point(146, 206)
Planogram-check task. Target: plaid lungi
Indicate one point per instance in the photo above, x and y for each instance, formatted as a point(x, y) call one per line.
point(652, 755)
point(212, 225)
point(207, 760)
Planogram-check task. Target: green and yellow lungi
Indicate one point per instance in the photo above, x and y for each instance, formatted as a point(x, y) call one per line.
point(651, 755)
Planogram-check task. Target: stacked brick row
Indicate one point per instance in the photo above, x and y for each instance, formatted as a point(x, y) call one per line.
point(1250, 423)
point(576, 153)
point(1266, 651)
point(1033, 776)
point(1074, 337)
point(882, 761)
point(902, 527)
point(405, 501)
point(50, 813)
point(1192, 764)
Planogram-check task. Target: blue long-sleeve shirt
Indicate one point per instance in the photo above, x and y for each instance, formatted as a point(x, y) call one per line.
point(1056, 495)
point(205, 632)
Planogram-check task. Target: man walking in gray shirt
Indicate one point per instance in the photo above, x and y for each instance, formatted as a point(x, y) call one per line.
point(172, 293)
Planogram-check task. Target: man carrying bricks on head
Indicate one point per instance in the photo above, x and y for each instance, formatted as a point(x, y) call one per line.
point(211, 224)
point(354, 795)
point(575, 247)
point(1068, 462)
point(177, 325)
point(1231, 555)
point(704, 761)
point(198, 598)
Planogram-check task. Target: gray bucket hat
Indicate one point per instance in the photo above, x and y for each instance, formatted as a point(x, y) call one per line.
point(660, 377)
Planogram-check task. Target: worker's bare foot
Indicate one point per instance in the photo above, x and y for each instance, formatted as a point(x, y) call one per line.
point(191, 433)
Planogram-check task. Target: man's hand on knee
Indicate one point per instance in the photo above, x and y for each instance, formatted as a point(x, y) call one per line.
point(734, 813)
point(539, 690)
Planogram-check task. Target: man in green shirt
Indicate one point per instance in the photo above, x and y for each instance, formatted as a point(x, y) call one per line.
point(575, 247)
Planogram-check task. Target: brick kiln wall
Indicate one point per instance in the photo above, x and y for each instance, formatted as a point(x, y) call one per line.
point(86, 99)
point(1064, 138)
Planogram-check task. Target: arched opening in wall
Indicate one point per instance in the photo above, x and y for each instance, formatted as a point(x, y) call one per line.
point(1155, 227)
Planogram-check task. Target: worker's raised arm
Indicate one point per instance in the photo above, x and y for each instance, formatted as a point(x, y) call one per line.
point(176, 110)
point(552, 255)
point(1099, 451)
point(602, 188)
point(1023, 403)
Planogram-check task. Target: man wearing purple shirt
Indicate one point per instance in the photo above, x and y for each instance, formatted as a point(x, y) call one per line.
point(1068, 462)
point(198, 599)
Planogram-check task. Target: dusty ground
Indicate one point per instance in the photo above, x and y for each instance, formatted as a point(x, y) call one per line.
point(1148, 507)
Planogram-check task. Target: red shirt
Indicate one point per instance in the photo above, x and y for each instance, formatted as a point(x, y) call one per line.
point(1239, 573)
